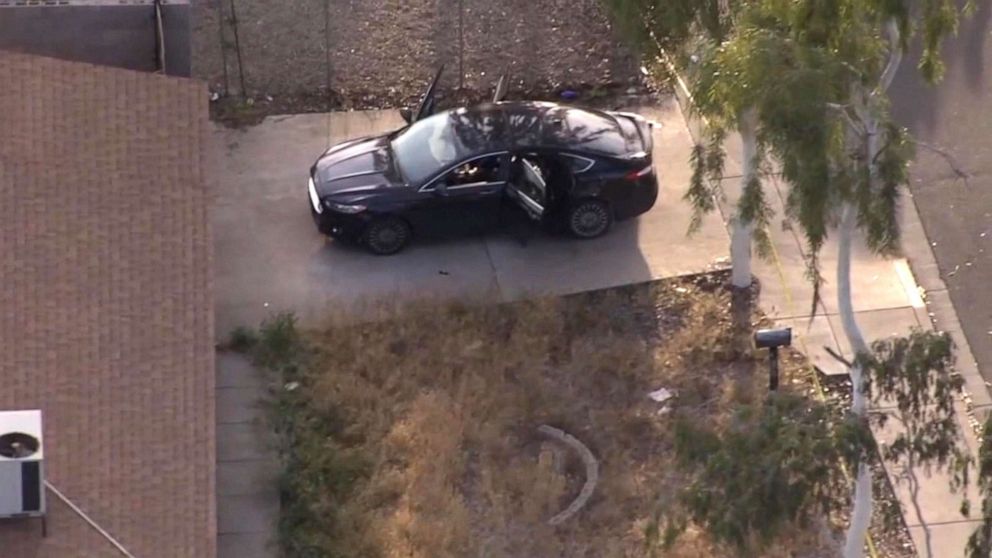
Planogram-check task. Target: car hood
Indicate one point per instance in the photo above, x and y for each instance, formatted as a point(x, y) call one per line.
point(355, 166)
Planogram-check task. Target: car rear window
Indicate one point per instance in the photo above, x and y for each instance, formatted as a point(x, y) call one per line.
point(589, 130)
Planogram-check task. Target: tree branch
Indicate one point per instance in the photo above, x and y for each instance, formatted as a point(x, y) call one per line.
point(895, 58)
point(839, 358)
point(842, 110)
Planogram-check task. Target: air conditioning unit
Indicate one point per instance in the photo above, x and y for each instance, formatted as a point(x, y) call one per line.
point(22, 485)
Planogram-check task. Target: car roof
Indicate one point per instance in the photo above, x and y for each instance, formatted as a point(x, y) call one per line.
point(537, 125)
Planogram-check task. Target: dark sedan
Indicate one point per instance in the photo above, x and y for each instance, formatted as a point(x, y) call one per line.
point(462, 170)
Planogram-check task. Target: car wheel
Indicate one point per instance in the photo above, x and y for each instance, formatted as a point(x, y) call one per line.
point(589, 218)
point(386, 236)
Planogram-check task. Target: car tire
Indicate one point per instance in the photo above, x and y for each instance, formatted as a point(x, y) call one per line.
point(386, 236)
point(588, 218)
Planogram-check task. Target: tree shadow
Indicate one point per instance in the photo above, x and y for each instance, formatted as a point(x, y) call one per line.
point(918, 105)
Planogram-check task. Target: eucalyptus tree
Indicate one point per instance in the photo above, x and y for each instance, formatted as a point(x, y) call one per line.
point(865, 156)
point(824, 115)
point(815, 74)
point(696, 29)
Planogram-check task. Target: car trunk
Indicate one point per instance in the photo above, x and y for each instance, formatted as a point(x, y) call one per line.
point(636, 131)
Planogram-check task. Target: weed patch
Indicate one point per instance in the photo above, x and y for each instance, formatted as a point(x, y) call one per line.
point(415, 434)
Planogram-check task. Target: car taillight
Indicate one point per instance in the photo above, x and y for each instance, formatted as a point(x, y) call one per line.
point(638, 174)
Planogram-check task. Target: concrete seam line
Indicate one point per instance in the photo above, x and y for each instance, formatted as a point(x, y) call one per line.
point(592, 472)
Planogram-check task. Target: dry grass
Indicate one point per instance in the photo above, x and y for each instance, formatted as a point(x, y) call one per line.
point(441, 405)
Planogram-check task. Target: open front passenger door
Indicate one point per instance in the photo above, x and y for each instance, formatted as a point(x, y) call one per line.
point(528, 187)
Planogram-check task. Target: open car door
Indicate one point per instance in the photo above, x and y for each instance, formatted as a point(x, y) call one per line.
point(528, 187)
point(502, 86)
point(427, 104)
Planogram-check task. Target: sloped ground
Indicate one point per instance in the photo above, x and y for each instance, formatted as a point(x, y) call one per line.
point(378, 53)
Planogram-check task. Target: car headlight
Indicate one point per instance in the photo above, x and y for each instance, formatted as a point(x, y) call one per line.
point(314, 198)
point(343, 208)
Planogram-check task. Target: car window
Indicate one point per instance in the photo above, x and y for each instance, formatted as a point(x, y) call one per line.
point(481, 170)
point(432, 144)
point(592, 131)
point(530, 179)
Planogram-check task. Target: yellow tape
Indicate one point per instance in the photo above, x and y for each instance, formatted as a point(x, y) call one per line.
point(816, 378)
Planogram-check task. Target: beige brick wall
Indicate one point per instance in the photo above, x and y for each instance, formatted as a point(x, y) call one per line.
point(106, 318)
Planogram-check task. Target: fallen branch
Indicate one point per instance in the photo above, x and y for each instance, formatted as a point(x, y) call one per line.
point(841, 359)
point(592, 472)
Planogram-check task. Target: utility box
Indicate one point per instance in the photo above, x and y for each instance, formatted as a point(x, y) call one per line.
point(22, 453)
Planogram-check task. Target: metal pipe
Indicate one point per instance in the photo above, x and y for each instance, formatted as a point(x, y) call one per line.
point(237, 49)
point(773, 369)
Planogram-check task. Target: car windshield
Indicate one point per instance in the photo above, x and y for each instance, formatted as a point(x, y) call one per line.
point(435, 143)
point(426, 147)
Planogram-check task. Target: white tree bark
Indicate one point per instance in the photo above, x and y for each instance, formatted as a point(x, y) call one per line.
point(861, 515)
point(864, 105)
point(854, 547)
point(740, 253)
point(741, 232)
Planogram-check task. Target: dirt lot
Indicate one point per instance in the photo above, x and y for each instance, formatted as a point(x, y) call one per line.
point(418, 436)
point(376, 53)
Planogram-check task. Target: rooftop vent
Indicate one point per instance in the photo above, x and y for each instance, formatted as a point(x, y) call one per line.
point(22, 487)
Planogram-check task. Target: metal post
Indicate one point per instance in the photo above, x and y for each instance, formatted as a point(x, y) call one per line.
point(159, 38)
point(461, 45)
point(223, 46)
point(237, 48)
point(773, 369)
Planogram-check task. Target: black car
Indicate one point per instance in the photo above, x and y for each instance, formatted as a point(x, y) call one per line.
point(464, 169)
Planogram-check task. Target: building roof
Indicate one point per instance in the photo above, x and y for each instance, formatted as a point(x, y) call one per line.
point(107, 318)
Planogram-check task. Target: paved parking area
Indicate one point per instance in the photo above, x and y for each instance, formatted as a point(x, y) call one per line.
point(269, 257)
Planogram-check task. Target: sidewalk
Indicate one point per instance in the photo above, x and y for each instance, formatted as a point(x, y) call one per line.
point(891, 297)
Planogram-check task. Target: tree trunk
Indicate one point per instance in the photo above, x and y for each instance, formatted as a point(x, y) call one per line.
point(740, 237)
point(861, 515)
point(854, 547)
point(740, 253)
point(865, 104)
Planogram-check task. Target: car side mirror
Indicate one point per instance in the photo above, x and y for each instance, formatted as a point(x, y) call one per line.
point(407, 114)
point(441, 189)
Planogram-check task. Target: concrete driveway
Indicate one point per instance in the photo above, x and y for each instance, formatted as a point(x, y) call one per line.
point(269, 257)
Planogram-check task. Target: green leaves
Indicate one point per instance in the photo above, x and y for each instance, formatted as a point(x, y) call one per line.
point(915, 378)
point(754, 208)
point(770, 467)
point(707, 174)
point(698, 194)
point(940, 19)
point(774, 465)
point(980, 542)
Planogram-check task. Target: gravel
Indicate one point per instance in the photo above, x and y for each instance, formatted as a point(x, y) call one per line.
point(377, 53)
